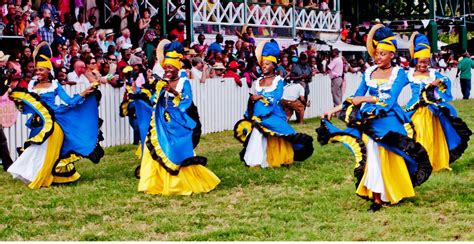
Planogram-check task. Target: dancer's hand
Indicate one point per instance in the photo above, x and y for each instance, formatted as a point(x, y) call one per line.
point(87, 91)
point(170, 89)
point(436, 82)
point(329, 114)
point(256, 97)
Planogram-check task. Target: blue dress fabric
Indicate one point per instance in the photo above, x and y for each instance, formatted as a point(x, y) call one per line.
point(81, 133)
point(436, 98)
point(267, 116)
point(384, 122)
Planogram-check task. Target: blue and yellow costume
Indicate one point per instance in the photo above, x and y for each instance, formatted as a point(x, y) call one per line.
point(169, 165)
point(56, 140)
point(269, 141)
point(388, 160)
point(438, 129)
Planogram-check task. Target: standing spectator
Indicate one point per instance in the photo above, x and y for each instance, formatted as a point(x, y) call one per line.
point(464, 67)
point(219, 69)
point(199, 70)
point(77, 75)
point(78, 5)
point(80, 26)
point(232, 72)
point(46, 32)
point(143, 25)
point(200, 47)
point(215, 47)
point(293, 101)
point(4, 152)
point(52, 9)
point(151, 39)
point(124, 62)
point(301, 72)
point(179, 31)
point(335, 70)
point(125, 38)
point(282, 68)
point(59, 39)
point(128, 14)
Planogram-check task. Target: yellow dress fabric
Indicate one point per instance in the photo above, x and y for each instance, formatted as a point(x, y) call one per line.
point(395, 176)
point(154, 179)
point(431, 136)
point(45, 177)
point(138, 152)
point(279, 152)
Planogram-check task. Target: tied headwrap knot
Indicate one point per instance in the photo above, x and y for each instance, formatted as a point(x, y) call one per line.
point(173, 58)
point(424, 52)
point(386, 44)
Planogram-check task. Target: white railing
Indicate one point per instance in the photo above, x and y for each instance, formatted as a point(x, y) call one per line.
point(262, 15)
point(317, 20)
point(220, 104)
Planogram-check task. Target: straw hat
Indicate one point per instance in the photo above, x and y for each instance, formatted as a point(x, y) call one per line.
point(218, 66)
point(259, 50)
point(190, 51)
point(370, 38)
point(160, 50)
point(3, 57)
point(411, 47)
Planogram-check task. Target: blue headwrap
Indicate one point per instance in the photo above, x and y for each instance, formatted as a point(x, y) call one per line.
point(385, 39)
point(271, 51)
point(422, 47)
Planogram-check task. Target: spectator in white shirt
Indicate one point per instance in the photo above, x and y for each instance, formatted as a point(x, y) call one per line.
point(78, 74)
point(80, 26)
point(293, 100)
point(199, 70)
point(125, 38)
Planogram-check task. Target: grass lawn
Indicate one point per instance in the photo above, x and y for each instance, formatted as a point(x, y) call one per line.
point(312, 200)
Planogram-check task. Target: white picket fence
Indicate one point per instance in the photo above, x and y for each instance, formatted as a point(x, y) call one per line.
point(220, 103)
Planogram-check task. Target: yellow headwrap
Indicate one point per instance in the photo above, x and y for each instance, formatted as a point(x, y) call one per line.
point(270, 58)
point(424, 53)
point(46, 63)
point(386, 44)
point(173, 58)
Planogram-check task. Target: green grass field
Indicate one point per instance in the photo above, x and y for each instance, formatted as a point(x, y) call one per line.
point(312, 200)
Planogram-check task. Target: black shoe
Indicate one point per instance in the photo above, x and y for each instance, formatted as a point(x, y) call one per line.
point(374, 207)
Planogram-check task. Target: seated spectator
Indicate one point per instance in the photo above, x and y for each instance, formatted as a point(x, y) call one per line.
point(77, 75)
point(232, 73)
point(293, 100)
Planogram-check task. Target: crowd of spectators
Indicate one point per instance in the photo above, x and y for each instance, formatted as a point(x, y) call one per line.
point(85, 51)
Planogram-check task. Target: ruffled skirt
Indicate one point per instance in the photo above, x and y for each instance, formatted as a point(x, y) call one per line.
point(430, 134)
point(36, 164)
point(192, 179)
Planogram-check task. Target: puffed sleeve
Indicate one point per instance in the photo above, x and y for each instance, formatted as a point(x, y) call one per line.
point(397, 87)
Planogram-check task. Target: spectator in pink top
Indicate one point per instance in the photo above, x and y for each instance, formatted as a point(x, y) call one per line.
point(335, 70)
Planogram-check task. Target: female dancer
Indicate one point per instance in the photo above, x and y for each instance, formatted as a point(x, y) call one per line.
point(389, 162)
point(269, 141)
point(57, 140)
point(169, 165)
point(438, 129)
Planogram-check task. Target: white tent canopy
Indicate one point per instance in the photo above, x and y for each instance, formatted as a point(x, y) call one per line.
point(341, 46)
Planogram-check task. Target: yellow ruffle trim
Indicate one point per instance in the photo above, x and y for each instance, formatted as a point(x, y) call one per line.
point(154, 179)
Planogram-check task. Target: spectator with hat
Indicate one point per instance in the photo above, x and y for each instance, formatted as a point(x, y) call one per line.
point(232, 72)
